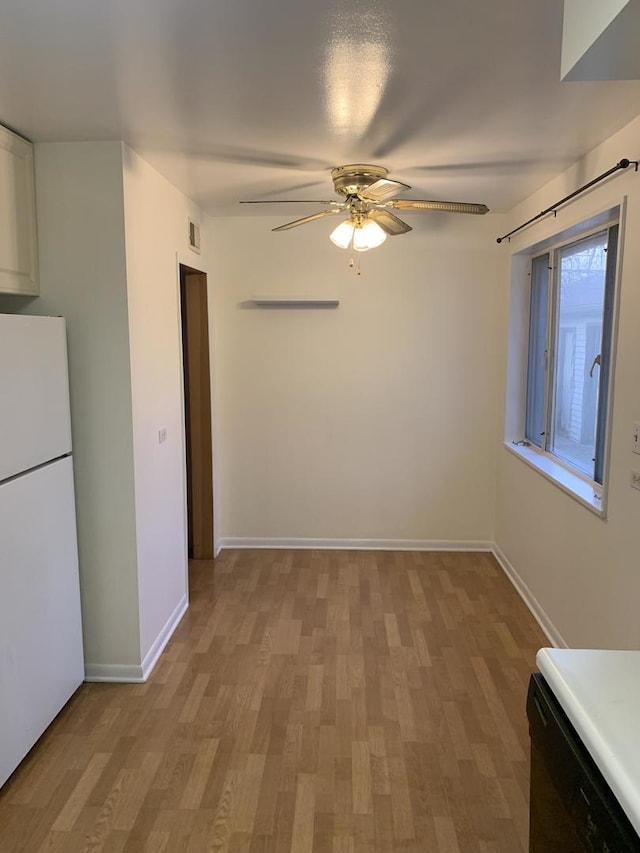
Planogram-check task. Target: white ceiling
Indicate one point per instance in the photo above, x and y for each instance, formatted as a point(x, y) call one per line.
point(241, 99)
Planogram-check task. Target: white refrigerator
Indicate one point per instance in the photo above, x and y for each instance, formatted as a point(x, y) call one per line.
point(41, 656)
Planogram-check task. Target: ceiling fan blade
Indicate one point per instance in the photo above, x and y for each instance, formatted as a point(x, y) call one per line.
point(304, 219)
point(382, 190)
point(447, 206)
point(294, 201)
point(389, 222)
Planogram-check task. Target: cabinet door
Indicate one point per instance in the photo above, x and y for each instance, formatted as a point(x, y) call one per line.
point(18, 250)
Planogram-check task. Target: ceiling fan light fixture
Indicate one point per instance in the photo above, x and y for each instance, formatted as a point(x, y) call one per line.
point(367, 236)
point(368, 199)
point(343, 234)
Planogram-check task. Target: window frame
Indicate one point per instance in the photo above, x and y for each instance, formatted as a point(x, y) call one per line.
point(571, 480)
point(528, 436)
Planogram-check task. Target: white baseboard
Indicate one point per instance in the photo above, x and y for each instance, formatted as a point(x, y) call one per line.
point(121, 673)
point(357, 544)
point(537, 611)
point(157, 647)
point(551, 632)
point(136, 674)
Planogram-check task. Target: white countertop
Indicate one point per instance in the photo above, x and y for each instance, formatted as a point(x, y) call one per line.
point(600, 693)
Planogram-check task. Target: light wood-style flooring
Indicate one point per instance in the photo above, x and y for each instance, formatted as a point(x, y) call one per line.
point(327, 701)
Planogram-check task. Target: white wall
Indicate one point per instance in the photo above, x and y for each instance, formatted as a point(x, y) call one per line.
point(375, 420)
point(156, 226)
point(583, 570)
point(583, 23)
point(600, 40)
point(83, 277)
point(111, 235)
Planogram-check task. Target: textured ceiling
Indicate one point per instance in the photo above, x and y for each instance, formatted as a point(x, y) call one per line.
point(238, 99)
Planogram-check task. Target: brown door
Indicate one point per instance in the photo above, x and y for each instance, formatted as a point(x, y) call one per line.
point(197, 407)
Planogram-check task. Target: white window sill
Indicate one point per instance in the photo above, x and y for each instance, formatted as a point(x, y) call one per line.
point(577, 488)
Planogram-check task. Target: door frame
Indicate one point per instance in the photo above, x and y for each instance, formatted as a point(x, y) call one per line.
point(187, 261)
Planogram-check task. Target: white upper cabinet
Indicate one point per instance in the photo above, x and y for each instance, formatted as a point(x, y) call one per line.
point(18, 248)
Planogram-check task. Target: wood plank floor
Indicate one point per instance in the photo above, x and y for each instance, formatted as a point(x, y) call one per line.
point(336, 701)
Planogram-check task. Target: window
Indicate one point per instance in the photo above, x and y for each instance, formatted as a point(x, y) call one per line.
point(569, 357)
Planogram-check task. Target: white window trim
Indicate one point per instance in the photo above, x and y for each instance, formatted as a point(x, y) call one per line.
point(585, 491)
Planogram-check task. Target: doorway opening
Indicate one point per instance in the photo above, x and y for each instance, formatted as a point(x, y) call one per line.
point(197, 412)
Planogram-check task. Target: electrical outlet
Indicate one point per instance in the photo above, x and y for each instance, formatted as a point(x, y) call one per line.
point(162, 436)
point(635, 446)
point(635, 479)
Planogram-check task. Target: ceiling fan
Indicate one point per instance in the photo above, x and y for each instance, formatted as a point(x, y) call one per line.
point(368, 199)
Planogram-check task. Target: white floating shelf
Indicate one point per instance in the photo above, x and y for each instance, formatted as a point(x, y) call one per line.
point(289, 302)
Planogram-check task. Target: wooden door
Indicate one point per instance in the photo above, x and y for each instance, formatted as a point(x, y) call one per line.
point(197, 396)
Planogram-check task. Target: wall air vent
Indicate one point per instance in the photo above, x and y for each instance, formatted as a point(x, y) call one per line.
point(194, 236)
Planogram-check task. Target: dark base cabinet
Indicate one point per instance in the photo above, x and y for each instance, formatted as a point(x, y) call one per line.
point(572, 808)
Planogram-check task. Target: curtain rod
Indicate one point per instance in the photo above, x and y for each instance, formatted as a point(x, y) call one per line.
point(623, 164)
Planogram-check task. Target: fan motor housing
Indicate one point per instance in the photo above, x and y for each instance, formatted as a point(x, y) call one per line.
point(352, 179)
